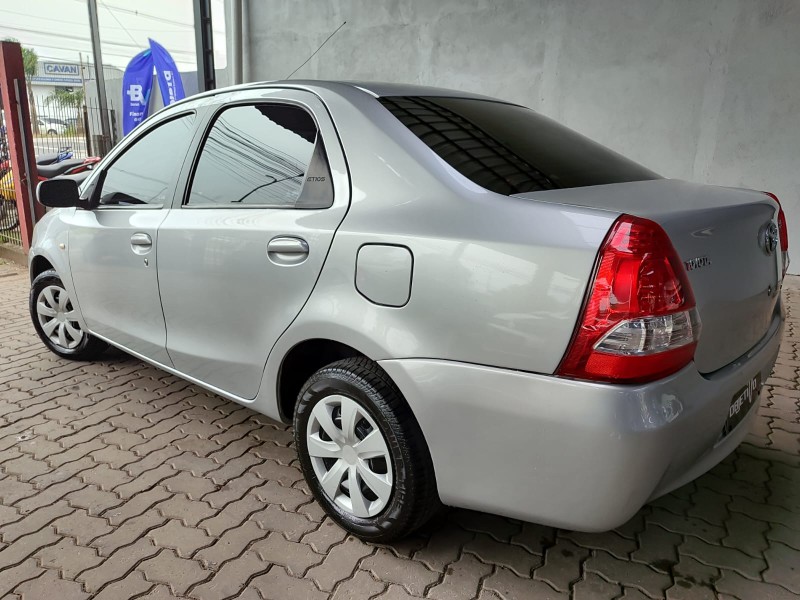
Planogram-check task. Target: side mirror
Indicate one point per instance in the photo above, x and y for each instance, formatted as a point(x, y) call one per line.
point(59, 193)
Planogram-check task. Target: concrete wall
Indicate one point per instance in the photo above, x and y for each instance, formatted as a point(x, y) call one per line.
point(702, 90)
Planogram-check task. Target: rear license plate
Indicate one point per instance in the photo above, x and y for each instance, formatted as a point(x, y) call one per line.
point(741, 403)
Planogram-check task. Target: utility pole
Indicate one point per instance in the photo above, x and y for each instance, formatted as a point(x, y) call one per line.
point(94, 30)
point(204, 43)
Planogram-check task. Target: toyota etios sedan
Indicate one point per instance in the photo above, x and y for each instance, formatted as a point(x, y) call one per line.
point(451, 297)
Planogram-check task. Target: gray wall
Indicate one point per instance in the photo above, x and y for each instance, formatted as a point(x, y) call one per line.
point(702, 90)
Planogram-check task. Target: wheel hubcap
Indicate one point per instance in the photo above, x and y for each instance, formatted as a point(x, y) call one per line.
point(350, 456)
point(58, 317)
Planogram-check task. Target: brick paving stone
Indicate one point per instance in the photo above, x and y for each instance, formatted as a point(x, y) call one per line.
point(739, 587)
point(186, 483)
point(168, 568)
point(510, 586)
point(292, 525)
point(279, 585)
point(362, 586)
point(13, 576)
point(274, 493)
point(136, 506)
point(724, 558)
point(128, 587)
point(93, 500)
point(340, 563)
point(117, 564)
point(412, 575)
point(34, 521)
point(49, 585)
point(497, 527)
point(230, 544)
point(294, 556)
point(176, 536)
point(629, 574)
point(396, 592)
point(594, 587)
point(69, 558)
point(746, 534)
point(128, 533)
point(326, 535)
point(444, 546)
point(273, 471)
point(610, 541)
point(461, 579)
point(657, 548)
point(233, 515)
point(189, 512)
point(686, 525)
point(230, 578)
point(784, 566)
point(81, 526)
point(562, 564)
point(516, 558)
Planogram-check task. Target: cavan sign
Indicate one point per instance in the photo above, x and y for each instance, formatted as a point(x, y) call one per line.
point(52, 72)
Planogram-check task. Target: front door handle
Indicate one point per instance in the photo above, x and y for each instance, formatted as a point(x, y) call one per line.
point(284, 250)
point(141, 243)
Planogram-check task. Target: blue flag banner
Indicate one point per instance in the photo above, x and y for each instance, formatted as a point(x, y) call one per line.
point(136, 85)
point(169, 79)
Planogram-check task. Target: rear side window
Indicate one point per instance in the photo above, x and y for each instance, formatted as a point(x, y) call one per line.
point(509, 149)
point(262, 155)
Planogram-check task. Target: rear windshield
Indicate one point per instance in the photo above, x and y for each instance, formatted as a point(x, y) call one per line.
point(509, 149)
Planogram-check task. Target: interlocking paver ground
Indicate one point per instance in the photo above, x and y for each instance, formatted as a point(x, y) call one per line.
point(118, 480)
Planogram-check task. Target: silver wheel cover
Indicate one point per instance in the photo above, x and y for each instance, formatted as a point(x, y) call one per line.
point(350, 456)
point(58, 317)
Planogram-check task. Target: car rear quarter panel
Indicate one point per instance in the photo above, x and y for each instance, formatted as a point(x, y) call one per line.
point(496, 281)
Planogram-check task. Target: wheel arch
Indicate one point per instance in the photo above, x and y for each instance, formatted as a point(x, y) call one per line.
point(39, 264)
point(301, 362)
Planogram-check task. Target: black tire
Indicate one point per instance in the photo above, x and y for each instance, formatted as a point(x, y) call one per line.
point(52, 132)
point(414, 498)
point(89, 346)
point(9, 217)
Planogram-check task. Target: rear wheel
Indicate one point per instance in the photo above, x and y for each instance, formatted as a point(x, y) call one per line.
point(56, 320)
point(52, 132)
point(362, 451)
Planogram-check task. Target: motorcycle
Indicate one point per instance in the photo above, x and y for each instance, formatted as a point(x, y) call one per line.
point(48, 166)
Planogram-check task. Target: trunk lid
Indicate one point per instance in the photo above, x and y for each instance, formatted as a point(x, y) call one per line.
point(720, 235)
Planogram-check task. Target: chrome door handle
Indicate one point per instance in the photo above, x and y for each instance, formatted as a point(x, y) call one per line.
point(141, 243)
point(284, 250)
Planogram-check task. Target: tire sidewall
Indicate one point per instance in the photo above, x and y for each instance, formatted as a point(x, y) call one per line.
point(42, 281)
point(331, 382)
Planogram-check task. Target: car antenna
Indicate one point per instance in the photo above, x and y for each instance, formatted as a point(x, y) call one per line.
point(317, 50)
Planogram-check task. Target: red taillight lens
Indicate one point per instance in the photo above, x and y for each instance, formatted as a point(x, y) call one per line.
point(640, 321)
point(781, 223)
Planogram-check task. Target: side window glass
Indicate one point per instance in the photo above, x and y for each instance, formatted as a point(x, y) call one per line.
point(265, 155)
point(146, 172)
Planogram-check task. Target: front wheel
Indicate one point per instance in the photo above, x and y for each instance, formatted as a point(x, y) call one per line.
point(362, 451)
point(56, 320)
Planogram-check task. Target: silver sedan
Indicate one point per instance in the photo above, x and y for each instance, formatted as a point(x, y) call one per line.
point(454, 300)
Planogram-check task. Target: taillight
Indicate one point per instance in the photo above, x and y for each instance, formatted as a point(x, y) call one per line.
point(639, 322)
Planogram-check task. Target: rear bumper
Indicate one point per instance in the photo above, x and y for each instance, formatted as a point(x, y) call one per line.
point(573, 454)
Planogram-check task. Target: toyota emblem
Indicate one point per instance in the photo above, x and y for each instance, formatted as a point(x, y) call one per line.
point(770, 238)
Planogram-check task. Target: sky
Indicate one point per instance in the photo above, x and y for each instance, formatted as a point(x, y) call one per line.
point(59, 29)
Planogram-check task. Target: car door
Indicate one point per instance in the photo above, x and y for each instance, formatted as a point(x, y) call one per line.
point(112, 247)
point(240, 256)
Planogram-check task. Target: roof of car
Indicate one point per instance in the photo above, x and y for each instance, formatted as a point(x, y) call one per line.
point(380, 88)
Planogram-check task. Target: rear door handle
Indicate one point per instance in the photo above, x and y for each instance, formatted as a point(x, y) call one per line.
point(141, 243)
point(285, 250)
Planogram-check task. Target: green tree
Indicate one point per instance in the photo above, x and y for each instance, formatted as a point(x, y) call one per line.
point(30, 62)
point(65, 98)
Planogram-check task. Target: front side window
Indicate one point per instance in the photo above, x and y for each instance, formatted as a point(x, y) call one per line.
point(265, 155)
point(146, 171)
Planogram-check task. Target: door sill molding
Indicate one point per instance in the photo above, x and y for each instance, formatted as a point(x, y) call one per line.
point(173, 371)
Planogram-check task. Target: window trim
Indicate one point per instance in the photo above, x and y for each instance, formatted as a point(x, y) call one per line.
point(201, 144)
point(94, 200)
